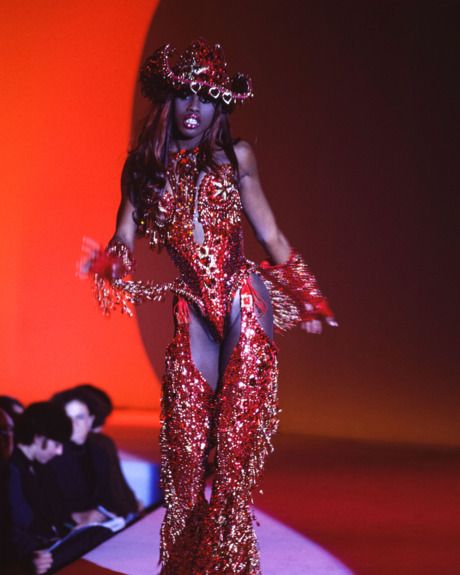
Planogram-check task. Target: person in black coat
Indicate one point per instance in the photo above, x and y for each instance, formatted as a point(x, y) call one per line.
point(89, 472)
point(36, 516)
point(6, 449)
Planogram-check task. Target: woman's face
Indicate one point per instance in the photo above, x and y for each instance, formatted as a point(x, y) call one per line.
point(193, 115)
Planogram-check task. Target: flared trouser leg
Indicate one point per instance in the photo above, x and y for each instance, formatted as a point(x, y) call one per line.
point(186, 416)
point(247, 417)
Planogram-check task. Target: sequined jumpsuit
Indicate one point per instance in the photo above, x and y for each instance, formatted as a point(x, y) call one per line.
point(216, 537)
point(198, 537)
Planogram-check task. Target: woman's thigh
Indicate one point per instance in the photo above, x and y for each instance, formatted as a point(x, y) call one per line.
point(204, 348)
point(264, 313)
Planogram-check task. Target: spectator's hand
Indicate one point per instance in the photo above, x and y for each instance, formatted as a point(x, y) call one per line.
point(86, 517)
point(42, 561)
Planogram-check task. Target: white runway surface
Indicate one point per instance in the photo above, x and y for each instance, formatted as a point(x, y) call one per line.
point(283, 550)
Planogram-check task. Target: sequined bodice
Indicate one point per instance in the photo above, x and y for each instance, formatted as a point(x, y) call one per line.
point(200, 222)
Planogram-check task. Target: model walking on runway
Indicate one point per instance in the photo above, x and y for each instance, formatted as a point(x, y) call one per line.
point(185, 187)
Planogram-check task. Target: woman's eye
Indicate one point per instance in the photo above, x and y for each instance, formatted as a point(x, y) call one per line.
point(183, 95)
point(205, 99)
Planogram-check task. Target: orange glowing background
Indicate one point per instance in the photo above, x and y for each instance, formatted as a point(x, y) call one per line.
point(69, 70)
point(353, 150)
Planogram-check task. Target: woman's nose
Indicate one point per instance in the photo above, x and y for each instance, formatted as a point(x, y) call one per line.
point(193, 103)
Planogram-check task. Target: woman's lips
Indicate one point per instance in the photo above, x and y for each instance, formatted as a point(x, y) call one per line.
point(191, 121)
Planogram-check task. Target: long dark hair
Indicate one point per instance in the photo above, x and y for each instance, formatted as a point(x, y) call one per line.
point(144, 173)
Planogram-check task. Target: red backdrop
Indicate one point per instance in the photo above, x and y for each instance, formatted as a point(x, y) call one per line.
point(351, 123)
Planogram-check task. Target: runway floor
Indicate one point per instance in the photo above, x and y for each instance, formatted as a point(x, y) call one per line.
point(330, 507)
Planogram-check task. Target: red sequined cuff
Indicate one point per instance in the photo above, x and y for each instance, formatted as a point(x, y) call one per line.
point(115, 262)
point(295, 294)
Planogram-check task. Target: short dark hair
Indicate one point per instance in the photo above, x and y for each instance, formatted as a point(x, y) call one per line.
point(43, 418)
point(102, 403)
point(9, 405)
point(96, 400)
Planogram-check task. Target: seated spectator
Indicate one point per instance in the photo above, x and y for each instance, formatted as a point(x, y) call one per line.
point(35, 513)
point(12, 406)
point(6, 435)
point(6, 449)
point(89, 473)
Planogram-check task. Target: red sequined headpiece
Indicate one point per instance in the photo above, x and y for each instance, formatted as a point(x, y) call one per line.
point(201, 68)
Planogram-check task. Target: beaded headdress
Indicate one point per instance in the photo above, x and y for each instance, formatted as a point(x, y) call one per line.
point(201, 68)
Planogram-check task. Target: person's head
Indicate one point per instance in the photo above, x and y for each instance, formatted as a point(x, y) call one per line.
point(200, 88)
point(192, 100)
point(6, 435)
point(81, 407)
point(11, 405)
point(42, 430)
point(99, 401)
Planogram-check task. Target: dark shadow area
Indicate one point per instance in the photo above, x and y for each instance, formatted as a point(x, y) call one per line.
point(380, 508)
point(353, 127)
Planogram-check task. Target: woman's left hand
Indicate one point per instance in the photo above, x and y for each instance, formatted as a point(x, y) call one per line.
point(315, 326)
point(312, 326)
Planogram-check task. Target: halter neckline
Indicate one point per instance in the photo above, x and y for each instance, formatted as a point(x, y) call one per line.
point(185, 152)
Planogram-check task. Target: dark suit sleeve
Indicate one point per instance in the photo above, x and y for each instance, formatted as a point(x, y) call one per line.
point(19, 517)
point(112, 490)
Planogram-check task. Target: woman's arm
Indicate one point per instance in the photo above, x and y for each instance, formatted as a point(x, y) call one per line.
point(125, 230)
point(117, 258)
point(288, 272)
point(257, 209)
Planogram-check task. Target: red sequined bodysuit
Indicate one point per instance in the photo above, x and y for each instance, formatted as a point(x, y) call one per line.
point(215, 267)
point(198, 220)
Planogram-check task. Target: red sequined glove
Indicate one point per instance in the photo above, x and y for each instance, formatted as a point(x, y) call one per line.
point(295, 294)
